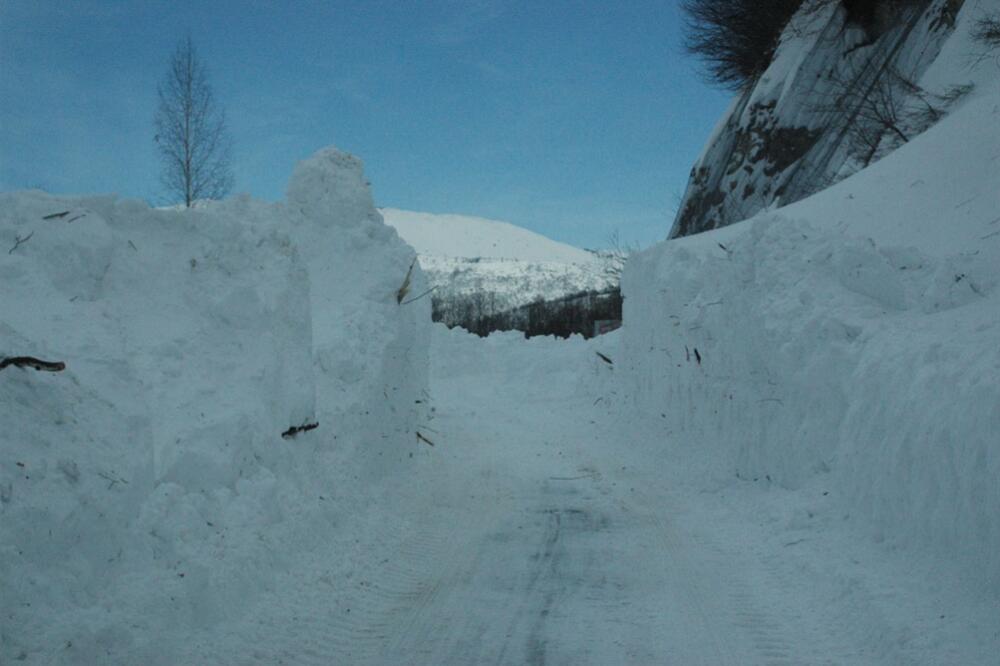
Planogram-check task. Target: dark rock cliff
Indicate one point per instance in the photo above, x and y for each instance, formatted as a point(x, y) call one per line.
point(842, 91)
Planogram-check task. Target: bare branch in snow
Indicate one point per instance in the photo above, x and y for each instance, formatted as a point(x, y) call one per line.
point(18, 241)
point(32, 362)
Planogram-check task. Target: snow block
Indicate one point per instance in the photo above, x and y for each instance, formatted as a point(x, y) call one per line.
point(788, 351)
point(149, 479)
point(370, 345)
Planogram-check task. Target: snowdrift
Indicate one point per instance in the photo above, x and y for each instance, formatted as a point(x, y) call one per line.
point(851, 336)
point(147, 489)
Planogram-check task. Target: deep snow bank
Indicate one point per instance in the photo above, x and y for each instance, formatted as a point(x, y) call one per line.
point(146, 490)
point(853, 335)
point(370, 348)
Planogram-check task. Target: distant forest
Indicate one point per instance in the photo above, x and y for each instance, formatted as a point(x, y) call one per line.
point(575, 313)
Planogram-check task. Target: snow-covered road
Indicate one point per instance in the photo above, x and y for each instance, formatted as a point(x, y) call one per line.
point(552, 541)
point(533, 532)
point(550, 549)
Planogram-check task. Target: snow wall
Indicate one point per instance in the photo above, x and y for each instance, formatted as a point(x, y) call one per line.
point(148, 488)
point(851, 337)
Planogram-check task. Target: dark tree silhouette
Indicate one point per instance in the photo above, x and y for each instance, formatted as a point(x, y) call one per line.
point(191, 133)
point(736, 39)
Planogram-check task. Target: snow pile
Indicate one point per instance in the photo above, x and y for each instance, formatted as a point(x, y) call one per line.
point(509, 359)
point(146, 491)
point(851, 336)
point(370, 337)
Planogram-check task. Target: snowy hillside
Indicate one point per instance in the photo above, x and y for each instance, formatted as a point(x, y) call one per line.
point(462, 236)
point(838, 95)
point(498, 264)
point(849, 343)
point(147, 492)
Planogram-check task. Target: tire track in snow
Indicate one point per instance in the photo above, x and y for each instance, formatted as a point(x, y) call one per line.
point(736, 627)
point(315, 614)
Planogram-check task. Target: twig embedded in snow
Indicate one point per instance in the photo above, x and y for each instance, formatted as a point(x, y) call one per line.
point(417, 298)
point(18, 241)
point(112, 478)
point(605, 358)
point(32, 362)
point(295, 430)
point(54, 216)
point(423, 439)
point(404, 288)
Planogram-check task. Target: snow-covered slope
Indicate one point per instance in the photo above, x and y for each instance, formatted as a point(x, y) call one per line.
point(849, 342)
point(837, 96)
point(146, 492)
point(467, 237)
point(499, 265)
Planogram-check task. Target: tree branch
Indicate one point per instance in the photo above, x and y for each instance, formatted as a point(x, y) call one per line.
point(18, 241)
point(32, 362)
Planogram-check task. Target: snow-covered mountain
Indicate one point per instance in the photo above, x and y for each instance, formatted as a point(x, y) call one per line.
point(841, 92)
point(464, 236)
point(501, 265)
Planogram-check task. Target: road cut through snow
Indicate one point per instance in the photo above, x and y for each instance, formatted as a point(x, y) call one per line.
point(544, 527)
point(561, 537)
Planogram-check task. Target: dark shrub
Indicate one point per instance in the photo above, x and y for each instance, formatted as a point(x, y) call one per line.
point(735, 38)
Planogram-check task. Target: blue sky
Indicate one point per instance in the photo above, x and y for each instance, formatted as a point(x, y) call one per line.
point(573, 119)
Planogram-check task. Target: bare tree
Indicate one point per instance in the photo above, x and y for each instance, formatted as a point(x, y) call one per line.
point(191, 133)
point(616, 256)
point(882, 107)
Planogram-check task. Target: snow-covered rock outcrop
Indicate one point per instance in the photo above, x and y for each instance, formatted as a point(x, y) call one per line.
point(837, 96)
point(147, 489)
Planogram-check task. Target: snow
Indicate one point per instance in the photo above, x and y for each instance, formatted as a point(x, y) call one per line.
point(563, 529)
point(463, 236)
point(788, 454)
point(803, 125)
point(500, 265)
point(848, 340)
point(146, 490)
